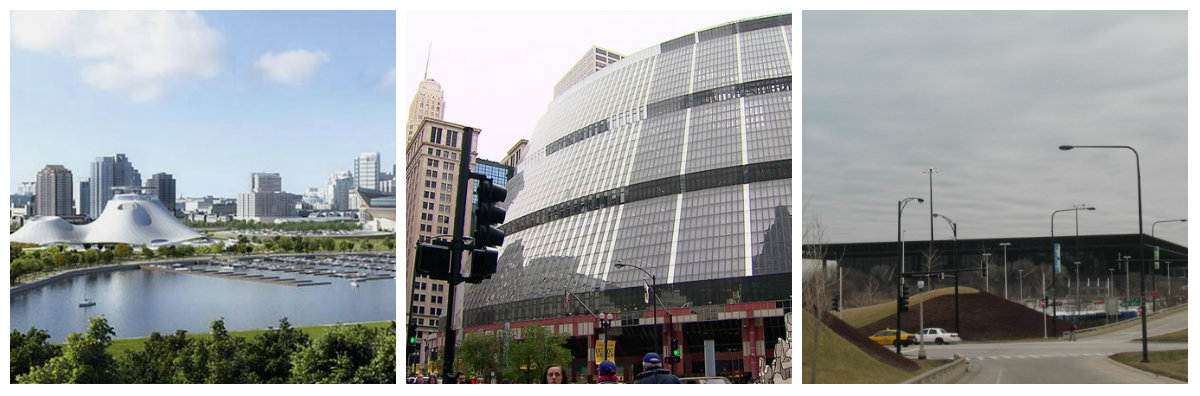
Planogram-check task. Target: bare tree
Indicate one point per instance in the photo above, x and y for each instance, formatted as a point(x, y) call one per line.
point(818, 282)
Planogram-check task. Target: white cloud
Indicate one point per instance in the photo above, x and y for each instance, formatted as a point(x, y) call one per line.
point(134, 53)
point(388, 79)
point(290, 67)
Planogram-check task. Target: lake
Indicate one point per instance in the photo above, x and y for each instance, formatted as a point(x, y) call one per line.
point(139, 302)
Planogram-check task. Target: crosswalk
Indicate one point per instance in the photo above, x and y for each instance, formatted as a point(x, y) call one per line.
point(1056, 355)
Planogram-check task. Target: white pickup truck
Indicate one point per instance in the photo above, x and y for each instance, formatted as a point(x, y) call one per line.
point(937, 335)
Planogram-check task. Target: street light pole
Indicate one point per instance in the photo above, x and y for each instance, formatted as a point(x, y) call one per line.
point(900, 263)
point(954, 230)
point(1005, 246)
point(1155, 276)
point(1054, 280)
point(1141, 240)
point(654, 292)
point(1021, 284)
point(929, 261)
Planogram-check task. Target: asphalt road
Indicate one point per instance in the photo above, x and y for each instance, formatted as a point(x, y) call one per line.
point(1062, 362)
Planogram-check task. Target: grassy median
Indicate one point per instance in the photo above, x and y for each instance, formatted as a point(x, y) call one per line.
point(1171, 364)
point(1178, 336)
point(840, 362)
point(119, 346)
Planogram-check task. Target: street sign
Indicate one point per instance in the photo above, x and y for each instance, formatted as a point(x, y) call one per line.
point(612, 351)
point(1042, 303)
point(1049, 293)
point(1156, 258)
point(1131, 302)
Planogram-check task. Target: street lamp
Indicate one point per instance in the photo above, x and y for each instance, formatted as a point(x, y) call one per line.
point(1141, 239)
point(1005, 245)
point(954, 230)
point(1155, 277)
point(606, 322)
point(900, 263)
point(1057, 265)
point(1021, 284)
point(653, 286)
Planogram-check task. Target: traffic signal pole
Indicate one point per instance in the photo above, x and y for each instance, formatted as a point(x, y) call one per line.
point(456, 250)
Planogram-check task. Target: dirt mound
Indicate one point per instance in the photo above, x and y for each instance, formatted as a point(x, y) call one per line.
point(982, 316)
point(859, 339)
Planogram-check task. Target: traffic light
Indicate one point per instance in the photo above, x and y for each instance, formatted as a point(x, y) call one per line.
point(836, 300)
point(487, 214)
point(412, 338)
point(432, 261)
point(675, 352)
point(904, 299)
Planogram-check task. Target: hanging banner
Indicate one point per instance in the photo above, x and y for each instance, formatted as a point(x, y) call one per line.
point(1156, 258)
point(1057, 259)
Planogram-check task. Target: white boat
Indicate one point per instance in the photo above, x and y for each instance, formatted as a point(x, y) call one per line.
point(353, 283)
point(87, 302)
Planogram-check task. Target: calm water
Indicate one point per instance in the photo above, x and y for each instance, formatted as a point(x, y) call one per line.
point(139, 302)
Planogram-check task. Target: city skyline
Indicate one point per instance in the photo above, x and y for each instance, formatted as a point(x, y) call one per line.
point(301, 93)
point(530, 60)
point(987, 98)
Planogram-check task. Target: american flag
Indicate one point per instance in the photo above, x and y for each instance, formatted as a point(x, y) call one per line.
point(567, 300)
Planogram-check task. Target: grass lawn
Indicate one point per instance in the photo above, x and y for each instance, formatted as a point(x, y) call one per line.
point(1166, 363)
point(862, 316)
point(1178, 336)
point(119, 346)
point(839, 362)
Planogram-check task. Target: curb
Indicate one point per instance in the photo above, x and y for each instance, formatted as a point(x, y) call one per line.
point(945, 374)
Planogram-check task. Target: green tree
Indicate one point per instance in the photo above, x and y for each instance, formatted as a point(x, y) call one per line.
point(85, 359)
point(14, 252)
point(539, 349)
point(106, 256)
point(270, 353)
point(21, 267)
point(479, 354)
point(227, 364)
point(341, 356)
point(60, 259)
point(156, 362)
point(28, 350)
point(91, 256)
point(123, 251)
point(147, 253)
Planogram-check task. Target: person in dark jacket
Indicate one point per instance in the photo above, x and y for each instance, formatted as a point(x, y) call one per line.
point(653, 373)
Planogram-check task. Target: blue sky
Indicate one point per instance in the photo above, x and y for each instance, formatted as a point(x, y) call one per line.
point(214, 96)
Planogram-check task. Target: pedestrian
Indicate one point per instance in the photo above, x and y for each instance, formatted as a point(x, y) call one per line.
point(462, 379)
point(420, 379)
point(608, 373)
point(1073, 328)
point(653, 373)
point(554, 374)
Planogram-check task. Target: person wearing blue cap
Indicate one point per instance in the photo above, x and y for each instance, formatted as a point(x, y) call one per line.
point(653, 373)
point(608, 373)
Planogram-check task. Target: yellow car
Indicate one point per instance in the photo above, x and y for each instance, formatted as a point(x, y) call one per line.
point(888, 337)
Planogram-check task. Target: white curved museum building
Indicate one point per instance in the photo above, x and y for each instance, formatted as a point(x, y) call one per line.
point(138, 220)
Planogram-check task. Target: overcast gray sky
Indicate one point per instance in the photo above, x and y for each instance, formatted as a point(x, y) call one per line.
point(987, 98)
point(498, 68)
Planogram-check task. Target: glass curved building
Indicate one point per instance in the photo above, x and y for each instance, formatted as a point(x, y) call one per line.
point(676, 161)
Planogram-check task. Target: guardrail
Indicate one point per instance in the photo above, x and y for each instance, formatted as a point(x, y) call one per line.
point(1104, 328)
point(942, 375)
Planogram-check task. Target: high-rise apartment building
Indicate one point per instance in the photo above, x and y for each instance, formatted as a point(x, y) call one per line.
point(595, 59)
point(54, 187)
point(434, 159)
point(337, 190)
point(111, 174)
point(266, 200)
point(265, 182)
point(366, 171)
point(426, 103)
point(83, 197)
point(162, 186)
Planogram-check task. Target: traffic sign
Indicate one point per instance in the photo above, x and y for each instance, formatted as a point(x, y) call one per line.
point(1043, 303)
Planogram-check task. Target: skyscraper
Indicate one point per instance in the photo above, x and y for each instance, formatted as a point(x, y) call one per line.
point(265, 182)
point(673, 164)
point(110, 174)
point(83, 197)
point(515, 154)
point(162, 185)
point(434, 159)
point(426, 103)
point(366, 171)
point(54, 191)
